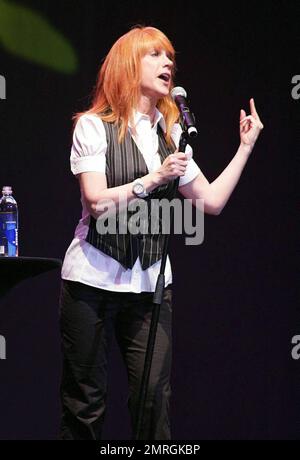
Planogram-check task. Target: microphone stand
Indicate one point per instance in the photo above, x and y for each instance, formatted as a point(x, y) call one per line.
point(157, 301)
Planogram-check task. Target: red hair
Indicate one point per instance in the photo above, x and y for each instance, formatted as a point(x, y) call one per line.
point(117, 90)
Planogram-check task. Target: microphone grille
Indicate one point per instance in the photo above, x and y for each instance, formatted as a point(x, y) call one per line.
point(178, 91)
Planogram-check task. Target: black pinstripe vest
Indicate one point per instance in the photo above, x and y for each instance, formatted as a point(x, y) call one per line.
point(124, 163)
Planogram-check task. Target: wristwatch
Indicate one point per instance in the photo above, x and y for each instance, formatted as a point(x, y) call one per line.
point(138, 188)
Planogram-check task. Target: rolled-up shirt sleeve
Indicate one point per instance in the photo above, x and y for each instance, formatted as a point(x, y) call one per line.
point(88, 152)
point(191, 172)
point(192, 169)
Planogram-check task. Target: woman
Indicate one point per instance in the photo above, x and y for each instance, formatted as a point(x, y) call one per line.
point(124, 150)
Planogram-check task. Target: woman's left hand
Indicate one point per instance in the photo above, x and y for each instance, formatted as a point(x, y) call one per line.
point(250, 126)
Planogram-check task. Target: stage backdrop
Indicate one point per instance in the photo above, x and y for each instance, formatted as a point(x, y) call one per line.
point(235, 295)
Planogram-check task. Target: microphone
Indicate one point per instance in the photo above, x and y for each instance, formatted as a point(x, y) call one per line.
point(187, 117)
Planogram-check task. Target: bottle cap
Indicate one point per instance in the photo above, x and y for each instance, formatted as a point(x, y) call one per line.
point(6, 189)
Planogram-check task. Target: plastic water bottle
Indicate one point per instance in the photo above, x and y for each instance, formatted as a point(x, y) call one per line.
point(8, 224)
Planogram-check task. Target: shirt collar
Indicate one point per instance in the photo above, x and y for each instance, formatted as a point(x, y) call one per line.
point(158, 119)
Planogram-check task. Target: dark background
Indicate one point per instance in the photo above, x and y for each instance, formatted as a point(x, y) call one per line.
point(235, 296)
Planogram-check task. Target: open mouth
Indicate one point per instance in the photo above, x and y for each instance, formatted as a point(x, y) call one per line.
point(165, 77)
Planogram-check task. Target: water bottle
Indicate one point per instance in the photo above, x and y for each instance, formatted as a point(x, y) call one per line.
point(8, 224)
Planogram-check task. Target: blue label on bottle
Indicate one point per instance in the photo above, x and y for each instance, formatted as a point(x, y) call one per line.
point(8, 234)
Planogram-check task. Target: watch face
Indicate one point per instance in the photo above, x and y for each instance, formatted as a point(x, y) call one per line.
point(138, 188)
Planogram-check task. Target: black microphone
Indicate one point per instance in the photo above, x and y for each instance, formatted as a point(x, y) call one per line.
point(187, 117)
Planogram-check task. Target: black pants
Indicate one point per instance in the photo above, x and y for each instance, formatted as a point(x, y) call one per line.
point(88, 318)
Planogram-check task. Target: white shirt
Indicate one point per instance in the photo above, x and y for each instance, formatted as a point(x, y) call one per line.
point(85, 263)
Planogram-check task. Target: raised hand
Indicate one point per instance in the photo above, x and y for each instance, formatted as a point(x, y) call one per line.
point(250, 125)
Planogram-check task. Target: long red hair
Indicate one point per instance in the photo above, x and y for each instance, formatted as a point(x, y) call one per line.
point(117, 90)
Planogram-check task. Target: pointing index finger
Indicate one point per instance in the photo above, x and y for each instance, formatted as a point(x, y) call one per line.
point(253, 109)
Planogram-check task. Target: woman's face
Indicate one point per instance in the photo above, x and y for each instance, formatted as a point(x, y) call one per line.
point(156, 70)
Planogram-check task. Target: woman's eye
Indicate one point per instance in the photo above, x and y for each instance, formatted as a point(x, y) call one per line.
point(154, 53)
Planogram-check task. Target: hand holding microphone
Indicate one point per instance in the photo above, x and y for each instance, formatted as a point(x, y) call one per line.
point(175, 164)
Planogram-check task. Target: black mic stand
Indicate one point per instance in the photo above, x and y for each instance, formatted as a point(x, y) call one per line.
point(157, 301)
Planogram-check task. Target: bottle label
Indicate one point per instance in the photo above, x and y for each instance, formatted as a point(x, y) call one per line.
point(8, 234)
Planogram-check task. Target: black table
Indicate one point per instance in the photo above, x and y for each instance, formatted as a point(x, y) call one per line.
point(16, 269)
